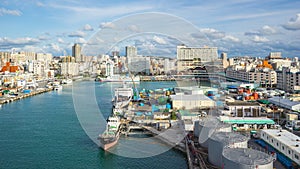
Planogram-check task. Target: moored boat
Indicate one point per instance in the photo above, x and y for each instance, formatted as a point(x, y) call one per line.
point(57, 87)
point(67, 81)
point(110, 136)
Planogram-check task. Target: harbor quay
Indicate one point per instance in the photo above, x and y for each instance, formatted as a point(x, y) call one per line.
point(158, 112)
point(18, 96)
point(12, 94)
point(206, 123)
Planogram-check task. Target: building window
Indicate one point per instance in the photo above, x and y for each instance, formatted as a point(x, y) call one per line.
point(296, 156)
point(282, 147)
point(277, 144)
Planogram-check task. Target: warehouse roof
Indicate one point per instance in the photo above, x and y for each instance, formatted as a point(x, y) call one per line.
point(191, 97)
point(283, 102)
point(246, 120)
point(242, 103)
point(285, 137)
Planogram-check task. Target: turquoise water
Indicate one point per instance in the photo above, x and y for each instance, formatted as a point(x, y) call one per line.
point(43, 132)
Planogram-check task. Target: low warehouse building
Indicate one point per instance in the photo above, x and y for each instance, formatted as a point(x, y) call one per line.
point(285, 103)
point(192, 101)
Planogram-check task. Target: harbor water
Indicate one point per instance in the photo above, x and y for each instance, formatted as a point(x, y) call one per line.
point(43, 132)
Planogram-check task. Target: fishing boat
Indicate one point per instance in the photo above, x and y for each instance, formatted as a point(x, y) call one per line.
point(67, 81)
point(110, 136)
point(57, 87)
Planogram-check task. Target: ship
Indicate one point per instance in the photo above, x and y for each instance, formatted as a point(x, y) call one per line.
point(67, 81)
point(122, 96)
point(110, 136)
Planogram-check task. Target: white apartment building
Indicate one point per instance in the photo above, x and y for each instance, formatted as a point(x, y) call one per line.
point(274, 55)
point(263, 76)
point(47, 57)
point(169, 65)
point(278, 63)
point(288, 79)
point(134, 63)
point(188, 57)
point(39, 68)
point(69, 68)
point(139, 64)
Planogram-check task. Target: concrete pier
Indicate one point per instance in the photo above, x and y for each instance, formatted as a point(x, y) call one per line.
point(5, 100)
point(172, 136)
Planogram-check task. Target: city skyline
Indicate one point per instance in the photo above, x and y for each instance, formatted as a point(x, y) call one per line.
point(240, 28)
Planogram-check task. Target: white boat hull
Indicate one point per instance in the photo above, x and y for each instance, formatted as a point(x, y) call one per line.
point(107, 146)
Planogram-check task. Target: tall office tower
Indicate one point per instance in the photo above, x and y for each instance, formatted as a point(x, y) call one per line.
point(131, 53)
point(76, 52)
point(188, 57)
point(224, 60)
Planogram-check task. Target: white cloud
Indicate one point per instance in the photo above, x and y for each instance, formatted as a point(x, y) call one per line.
point(77, 34)
point(4, 11)
point(55, 48)
point(231, 38)
point(159, 40)
point(88, 27)
point(33, 48)
point(60, 40)
point(259, 39)
point(107, 25)
point(213, 33)
point(43, 37)
point(19, 41)
point(293, 24)
point(80, 40)
point(265, 30)
point(134, 28)
point(268, 30)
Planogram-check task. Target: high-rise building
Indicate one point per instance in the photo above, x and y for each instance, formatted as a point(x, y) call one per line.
point(131, 51)
point(265, 77)
point(188, 57)
point(288, 79)
point(69, 69)
point(224, 60)
point(274, 55)
point(76, 52)
point(44, 56)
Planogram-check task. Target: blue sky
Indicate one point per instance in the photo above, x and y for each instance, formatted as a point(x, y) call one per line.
point(238, 27)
